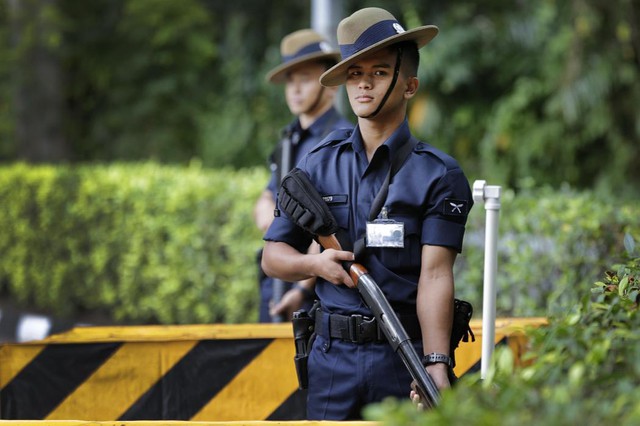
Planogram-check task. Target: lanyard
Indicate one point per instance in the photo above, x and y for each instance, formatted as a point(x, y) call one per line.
point(360, 246)
point(396, 163)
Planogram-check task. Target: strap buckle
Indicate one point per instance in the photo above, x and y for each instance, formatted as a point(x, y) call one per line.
point(362, 329)
point(355, 329)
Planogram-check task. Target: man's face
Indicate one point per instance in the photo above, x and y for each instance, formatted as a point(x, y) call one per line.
point(368, 80)
point(303, 87)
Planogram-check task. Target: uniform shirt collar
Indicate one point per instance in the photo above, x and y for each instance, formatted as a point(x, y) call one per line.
point(399, 137)
point(319, 126)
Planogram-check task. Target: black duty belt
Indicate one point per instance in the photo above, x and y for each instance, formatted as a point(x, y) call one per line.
point(362, 329)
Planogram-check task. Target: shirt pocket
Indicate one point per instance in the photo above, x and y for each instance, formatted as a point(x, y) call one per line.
point(339, 206)
point(404, 260)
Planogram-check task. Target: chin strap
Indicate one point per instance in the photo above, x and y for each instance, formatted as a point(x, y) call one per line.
point(396, 72)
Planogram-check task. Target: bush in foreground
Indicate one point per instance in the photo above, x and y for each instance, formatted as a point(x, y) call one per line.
point(583, 368)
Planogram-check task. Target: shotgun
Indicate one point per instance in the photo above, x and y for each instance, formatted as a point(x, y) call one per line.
point(305, 206)
point(284, 167)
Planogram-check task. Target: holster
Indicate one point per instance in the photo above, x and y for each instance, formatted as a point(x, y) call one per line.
point(460, 330)
point(303, 335)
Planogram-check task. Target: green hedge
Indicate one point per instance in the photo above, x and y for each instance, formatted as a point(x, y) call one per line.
point(142, 243)
point(584, 367)
point(550, 241)
point(147, 243)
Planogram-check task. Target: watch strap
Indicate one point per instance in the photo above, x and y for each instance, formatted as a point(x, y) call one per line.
point(436, 358)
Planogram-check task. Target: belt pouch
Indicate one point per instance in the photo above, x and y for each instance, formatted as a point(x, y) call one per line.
point(461, 331)
point(303, 326)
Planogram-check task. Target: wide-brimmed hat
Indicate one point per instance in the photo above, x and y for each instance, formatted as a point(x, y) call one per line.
point(366, 31)
point(299, 47)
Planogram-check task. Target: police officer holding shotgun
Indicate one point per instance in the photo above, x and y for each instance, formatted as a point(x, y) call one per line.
point(408, 241)
point(305, 56)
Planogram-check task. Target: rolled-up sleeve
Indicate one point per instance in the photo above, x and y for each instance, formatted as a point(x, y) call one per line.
point(445, 219)
point(284, 230)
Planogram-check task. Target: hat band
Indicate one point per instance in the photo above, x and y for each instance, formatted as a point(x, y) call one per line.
point(309, 48)
point(372, 35)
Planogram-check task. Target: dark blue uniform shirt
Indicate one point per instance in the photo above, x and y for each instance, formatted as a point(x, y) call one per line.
point(309, 138)
point(429, 194)
point(305, 140)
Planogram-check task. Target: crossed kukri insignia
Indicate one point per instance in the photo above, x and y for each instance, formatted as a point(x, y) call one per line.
point(456, 207)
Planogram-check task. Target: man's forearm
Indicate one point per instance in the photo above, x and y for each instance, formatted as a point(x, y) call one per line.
point(280, 260)
point(435, 313)
point(435, 298)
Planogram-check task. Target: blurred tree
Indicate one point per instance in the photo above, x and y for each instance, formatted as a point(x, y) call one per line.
point(520, 92)
point(174, 80)
point(36, 76)
point(544, 91)
point(7, 147)
point(241, 124)
point(136, 71)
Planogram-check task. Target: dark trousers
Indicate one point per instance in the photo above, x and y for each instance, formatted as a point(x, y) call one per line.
point(345, 376)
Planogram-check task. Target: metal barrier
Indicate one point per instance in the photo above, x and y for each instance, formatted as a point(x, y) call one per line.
point(240, 372)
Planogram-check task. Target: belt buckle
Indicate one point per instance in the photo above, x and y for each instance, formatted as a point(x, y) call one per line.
point(355, 329)
point(358, 332)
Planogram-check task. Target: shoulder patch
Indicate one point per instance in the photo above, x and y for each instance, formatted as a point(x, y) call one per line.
point(455, 207)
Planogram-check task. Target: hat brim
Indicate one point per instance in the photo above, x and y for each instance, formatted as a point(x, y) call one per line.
point(337, 74)
point(279, 73)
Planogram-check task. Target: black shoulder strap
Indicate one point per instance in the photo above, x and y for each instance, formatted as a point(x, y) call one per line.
point(286, 156)
point(396, 163)
point(282, 155)
point(288, 144)
point(360, 246)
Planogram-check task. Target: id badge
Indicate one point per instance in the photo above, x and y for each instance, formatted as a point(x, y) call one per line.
point(385, 233)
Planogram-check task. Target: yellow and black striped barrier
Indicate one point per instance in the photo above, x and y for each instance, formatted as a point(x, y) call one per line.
point(201, 373)
point(184, 423)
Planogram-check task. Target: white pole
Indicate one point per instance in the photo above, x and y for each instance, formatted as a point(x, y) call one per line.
point(490, 195)
point(325, 15)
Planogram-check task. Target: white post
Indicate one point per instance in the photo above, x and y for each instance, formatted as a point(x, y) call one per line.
point(490, 195)
point(325, 15)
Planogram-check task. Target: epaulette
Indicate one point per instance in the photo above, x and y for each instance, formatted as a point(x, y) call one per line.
point(334, 137)
point(448, 161)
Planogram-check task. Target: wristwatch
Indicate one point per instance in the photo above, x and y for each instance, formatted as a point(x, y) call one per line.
point(436, 358)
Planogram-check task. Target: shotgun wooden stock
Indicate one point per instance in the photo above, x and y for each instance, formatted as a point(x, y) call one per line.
point(389, 323)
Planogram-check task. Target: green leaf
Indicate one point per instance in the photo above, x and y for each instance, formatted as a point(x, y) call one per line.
point(622, 287)
point(573, 319)
point(576, 373)
point(629, 244)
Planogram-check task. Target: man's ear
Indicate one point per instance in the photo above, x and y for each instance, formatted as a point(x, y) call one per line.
point(412, 87)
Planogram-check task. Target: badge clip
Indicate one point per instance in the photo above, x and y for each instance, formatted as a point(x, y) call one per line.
point(385, 232)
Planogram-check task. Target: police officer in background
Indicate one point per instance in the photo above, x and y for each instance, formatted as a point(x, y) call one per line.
point(305, 56)
point(428, 201)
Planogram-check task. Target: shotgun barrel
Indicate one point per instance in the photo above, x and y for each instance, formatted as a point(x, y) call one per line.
point(390, 325)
